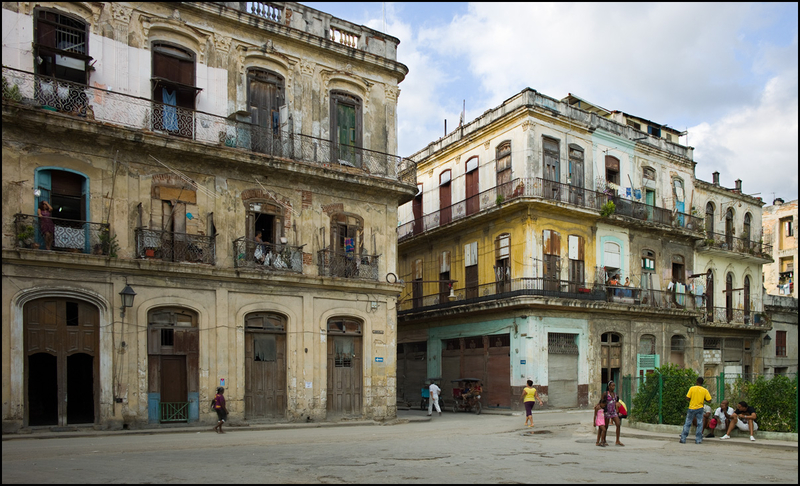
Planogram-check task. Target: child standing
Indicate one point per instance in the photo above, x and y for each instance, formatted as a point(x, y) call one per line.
point(600, 421)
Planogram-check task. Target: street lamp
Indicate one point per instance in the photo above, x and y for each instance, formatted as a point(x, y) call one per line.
point(127, 295)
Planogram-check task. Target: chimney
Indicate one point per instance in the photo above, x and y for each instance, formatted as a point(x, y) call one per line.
point(738, 187)
point(715, 177)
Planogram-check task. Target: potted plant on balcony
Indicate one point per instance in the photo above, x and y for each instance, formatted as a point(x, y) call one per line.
point(25, 237)
point(607, 209)
point(499, 200)
point(108, 244)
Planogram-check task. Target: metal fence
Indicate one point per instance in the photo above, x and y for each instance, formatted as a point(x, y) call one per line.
point(733, 315)
point(174, 412)
point(565, 289)
point(68, 235)
point(139, 113)
point(347, 264)
point(267, 256)
point(658, 398)
point(170, 246)
point(741, 245)
point(536, 187)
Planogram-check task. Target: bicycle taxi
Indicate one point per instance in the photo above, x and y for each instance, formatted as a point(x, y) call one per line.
point(467, 395)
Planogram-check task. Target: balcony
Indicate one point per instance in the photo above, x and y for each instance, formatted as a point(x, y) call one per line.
point(347, 265)
point(657, 299)
point(112, 108)
point(737, 317)
point(740, 245)
point(68, 235)
point(169, 246)
point(267, 256)
point(563, 289)
point(545, 190)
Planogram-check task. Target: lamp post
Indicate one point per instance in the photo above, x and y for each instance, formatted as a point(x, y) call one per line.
point(127, 295)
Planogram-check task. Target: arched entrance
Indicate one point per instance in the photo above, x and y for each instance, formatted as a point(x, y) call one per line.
point(61, 341)
point(345, 368)
point(610, 358)
point(265, 366)
point(172, 365)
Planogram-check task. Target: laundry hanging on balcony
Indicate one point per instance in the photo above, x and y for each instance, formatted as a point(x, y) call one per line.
point(170, 111)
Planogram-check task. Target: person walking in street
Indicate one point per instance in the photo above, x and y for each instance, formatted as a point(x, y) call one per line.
point(529, 398)
point(600, 421)
point(696, 396)
point(612, 416)
point(434, 399)
point(219, 407)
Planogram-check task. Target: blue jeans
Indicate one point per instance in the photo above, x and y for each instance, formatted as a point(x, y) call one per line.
point(690, 416)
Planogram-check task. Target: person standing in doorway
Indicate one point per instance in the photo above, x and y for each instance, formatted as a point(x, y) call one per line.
point(46, 225)
point(611, 414)
point(222, 412)
point(529, 398)
point(434, 399)
point(696, 397)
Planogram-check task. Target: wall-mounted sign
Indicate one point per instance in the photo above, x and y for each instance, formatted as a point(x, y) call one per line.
point(222, 382)
point(522, 361)
point(378, 359)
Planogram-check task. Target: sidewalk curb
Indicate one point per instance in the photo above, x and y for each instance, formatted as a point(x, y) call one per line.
point(206, 428)
point(743, 442)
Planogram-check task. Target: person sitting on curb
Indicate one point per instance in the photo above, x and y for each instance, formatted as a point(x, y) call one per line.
point(722, 415)
point(744, 419)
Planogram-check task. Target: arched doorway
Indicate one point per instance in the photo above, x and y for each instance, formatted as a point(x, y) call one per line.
point(265, 366)
point(62, 362)
point(172, 375)
point(729, 297)
point(345, 368)
point(747, 300)
point(610, 358)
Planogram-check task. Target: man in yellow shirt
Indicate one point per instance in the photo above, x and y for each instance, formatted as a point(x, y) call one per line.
point(696, 396)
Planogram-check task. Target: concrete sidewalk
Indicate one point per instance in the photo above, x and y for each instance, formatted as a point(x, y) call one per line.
point(673, 432)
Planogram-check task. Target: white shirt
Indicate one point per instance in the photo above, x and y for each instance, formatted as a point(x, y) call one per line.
point(721, 416)
point(435, 391)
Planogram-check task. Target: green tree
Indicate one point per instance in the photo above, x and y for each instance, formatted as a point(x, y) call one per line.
point(676, 382)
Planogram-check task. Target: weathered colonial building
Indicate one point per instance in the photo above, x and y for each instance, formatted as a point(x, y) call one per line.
point(780, 231)
point(231, 165)
point(510, 250)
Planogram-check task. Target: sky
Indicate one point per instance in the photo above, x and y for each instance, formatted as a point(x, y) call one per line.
point(724, 72)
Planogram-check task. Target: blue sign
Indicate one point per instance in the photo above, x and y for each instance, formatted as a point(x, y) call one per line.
point(378, 359)
point(522, 361)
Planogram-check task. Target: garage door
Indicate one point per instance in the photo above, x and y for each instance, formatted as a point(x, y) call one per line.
point(562, 369)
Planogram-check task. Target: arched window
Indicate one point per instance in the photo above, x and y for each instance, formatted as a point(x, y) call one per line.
point(729, 228)
point(746, 230)
point(612, 169)
point(611, 259)
point(729, 297)
point(610, 357)
point(648, 269)
point(265, 95)
point(709, 220)
point(647, 344)
point(61, 47)
point(551, 252)
point(472, 183)
point(345, 118)
point(173, 89)
point(710, 296)
point(445, 211)
point(746, 291)
point(576, 176)
point(503, 157)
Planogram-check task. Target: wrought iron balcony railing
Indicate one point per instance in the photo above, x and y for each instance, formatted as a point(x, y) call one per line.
point(347, 264)
point(174, 247)
point(67, 235)
point(731, 315)
point(139, 113)
point(536, 187)
point(267, 256)
point(564, 289)
point(740, 245)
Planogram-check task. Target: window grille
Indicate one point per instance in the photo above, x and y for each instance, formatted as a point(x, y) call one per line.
point(562, 343)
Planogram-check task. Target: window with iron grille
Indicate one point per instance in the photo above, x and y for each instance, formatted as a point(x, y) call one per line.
point(562, 343)
point(647, 344)
point(61, 49)
point(780, 343)
point(677, 343)
point(712, 343)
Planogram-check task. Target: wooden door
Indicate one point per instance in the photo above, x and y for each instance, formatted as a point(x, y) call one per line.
point(265, 375)
point(473, 202)
point(265, 94)
point(445, 211)
point(173, 379)
point(344, 375)
point(497, 387)
point(61, 345)
point(471, 278)
point(551, 169)
point(416, 209)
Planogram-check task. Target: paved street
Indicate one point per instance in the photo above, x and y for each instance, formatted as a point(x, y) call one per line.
point(454, 448)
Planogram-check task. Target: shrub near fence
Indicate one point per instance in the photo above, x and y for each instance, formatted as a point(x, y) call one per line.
point(774, 400)
point(660, 397)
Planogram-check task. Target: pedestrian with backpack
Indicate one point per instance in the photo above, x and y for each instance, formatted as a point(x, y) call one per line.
point(218, 404)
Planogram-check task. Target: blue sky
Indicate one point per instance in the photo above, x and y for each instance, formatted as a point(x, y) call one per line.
point(726, 72)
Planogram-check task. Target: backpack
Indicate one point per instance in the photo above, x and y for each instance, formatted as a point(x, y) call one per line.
point(622, 410)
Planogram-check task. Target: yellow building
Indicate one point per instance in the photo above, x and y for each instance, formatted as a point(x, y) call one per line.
point(549, 240)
